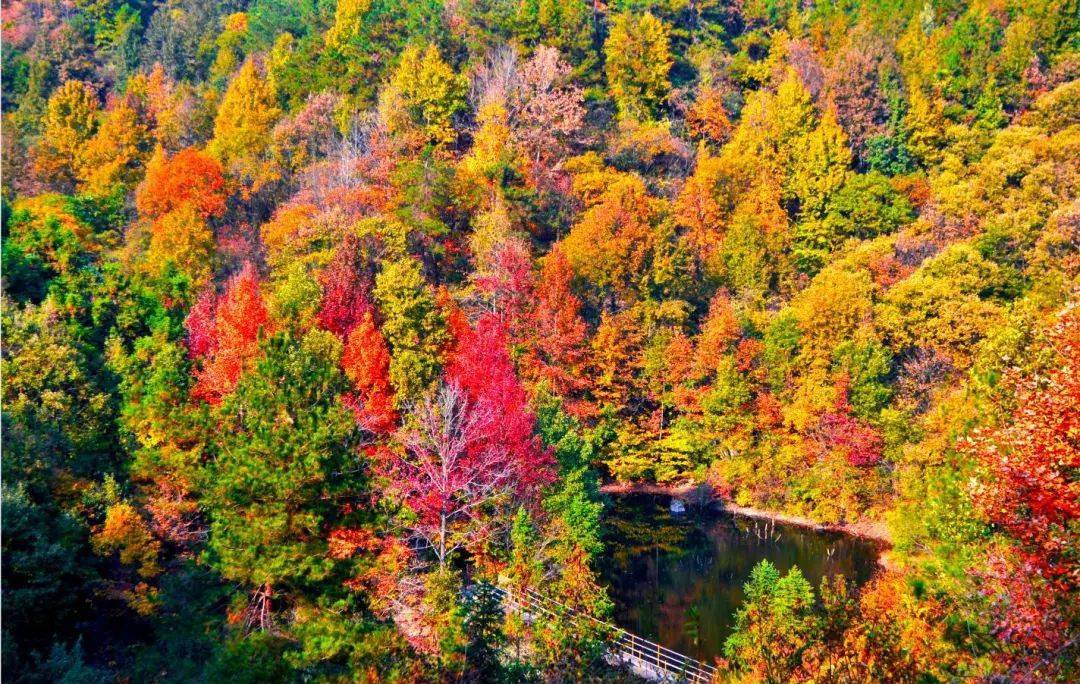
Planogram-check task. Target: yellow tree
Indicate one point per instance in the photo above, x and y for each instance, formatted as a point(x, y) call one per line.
point(835, 305)
point(413, 326)
point(616, 368)
point(941, 306)
point(818, 173)
point(165, 103)
point(348, 22)
point(482, 175)
point(118, 151)
point(821, 167)
point(243, 125)
point(925, 126)
point(794, 109)
point(297, 234)
point(492, 151)
point(637, 61)
point(773, 125)
point(70, 120)
point(616, 359)
point(181, 239)
point(492, 227)
point(616, 239)
point(422, 98)
point(763, 201)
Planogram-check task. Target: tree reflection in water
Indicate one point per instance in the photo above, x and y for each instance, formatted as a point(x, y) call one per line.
point(678, 580)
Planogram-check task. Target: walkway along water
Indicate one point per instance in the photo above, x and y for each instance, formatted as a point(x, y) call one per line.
point(647, 659)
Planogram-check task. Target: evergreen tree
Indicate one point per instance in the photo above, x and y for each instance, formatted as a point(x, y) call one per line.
point(283, 472)
point(775, 625)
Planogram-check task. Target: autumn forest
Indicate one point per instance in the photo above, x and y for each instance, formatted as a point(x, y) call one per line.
point(327, 323)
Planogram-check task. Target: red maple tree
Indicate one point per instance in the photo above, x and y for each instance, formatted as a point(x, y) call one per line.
point(507, 285)
point(188, 176)
point(345, 299)
point(366, 361)
point(838, 430)
point(201, 325)
point(450, 469)
point(240, 318)
point(1030, 490)
point(557, 344)
point(481, 366)
point(470, 445)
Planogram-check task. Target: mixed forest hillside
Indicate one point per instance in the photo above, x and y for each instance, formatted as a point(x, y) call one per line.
point(318, 315)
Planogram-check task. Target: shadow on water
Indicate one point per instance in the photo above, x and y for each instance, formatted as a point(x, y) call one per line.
point(678, 580)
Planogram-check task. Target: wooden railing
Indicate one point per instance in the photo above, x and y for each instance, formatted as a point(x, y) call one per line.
point(647, 658)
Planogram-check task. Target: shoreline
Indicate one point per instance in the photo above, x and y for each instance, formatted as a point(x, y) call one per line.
point(866, 529)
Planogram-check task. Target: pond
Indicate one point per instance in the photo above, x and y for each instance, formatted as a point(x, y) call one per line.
point(678, 580)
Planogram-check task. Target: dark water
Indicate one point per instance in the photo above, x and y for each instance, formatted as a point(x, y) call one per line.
point(678, 580)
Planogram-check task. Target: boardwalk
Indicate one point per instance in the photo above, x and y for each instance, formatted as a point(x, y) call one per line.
point(644, 658)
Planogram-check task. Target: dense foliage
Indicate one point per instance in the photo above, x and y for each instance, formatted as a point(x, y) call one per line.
point(322, 318)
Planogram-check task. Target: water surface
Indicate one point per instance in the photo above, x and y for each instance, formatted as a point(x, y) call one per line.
point(678, 580)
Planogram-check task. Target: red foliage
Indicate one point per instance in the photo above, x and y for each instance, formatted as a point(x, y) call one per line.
point(888, 270)
point(355, 179)
point(807, 65)
point(470, 444)
point(746, 354)
point(200, 324)
point(508, 284)
point(189, 176)
point(481, 366)
point(719, 331)
point(345, 293)
point(1031, 490)
point(457, 323)
point(366, 361)
point(860, 443)
point(381, 579)
point(345, 542)
point(174, 512)
point(239, 320)
point(854, 92)
point(920, 374)
point(238, 242)
point(309, 134)
point(679, 358)
point(838, 430)
point(916, 189)
point(1026, 615)
point(451, 469)
point(768, 409)
point(557, 345)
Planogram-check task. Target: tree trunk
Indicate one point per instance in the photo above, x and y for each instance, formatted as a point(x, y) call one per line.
point(442, 539)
